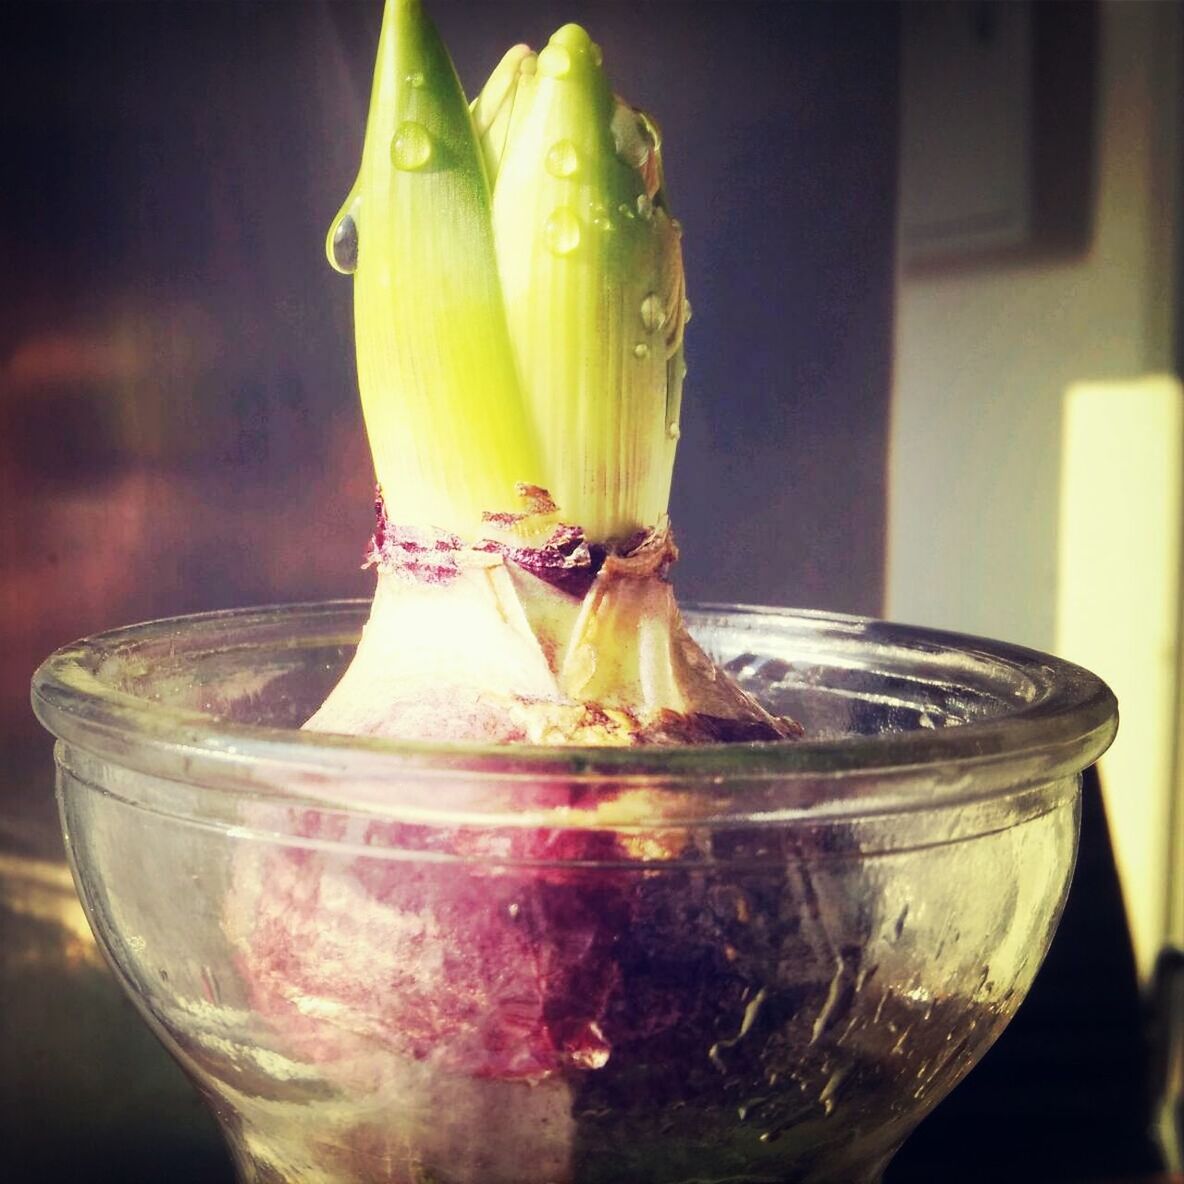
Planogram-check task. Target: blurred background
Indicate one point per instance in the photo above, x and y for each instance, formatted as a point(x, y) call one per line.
point(933, 252)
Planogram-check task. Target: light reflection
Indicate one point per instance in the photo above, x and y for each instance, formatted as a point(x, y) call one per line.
point(43, 891)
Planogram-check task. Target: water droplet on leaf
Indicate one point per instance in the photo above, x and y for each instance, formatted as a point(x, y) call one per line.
point(673, 431)
point(562, 159)
point(653, 312)
point(414, 79)
point(641, 350)
point(627, 211)
point(411, 148)
point(562, 231)
point(345, 246)
point(601, 219)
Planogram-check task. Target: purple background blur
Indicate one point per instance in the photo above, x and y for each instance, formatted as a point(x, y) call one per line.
point(179, 426)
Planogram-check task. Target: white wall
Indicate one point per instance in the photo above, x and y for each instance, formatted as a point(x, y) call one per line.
point(984, 354)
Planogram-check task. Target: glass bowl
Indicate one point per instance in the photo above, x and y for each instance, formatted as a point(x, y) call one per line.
point(415, 963)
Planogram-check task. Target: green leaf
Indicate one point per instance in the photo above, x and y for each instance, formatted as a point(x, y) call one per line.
point(589, 267)
point(444, 411)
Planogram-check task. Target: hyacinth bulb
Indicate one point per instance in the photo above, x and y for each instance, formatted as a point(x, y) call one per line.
point(519, 305)
point(519, 312)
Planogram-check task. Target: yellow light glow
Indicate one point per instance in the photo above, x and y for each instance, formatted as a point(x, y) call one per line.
point(1118, 612)
point(44, 891)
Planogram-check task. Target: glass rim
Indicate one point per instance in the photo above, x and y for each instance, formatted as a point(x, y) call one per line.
point(1068, 718)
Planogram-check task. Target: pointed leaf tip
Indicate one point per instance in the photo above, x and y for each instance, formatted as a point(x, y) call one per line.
point(570, 53)
point(439, 388)
point(503, 103)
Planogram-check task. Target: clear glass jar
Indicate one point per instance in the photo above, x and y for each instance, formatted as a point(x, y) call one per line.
point(392, 962)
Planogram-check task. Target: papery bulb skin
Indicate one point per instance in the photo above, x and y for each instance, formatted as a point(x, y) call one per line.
point(534, 635)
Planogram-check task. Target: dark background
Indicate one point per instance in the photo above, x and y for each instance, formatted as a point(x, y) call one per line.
point(179, 427)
